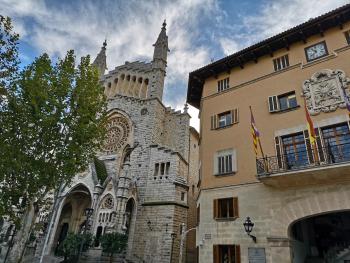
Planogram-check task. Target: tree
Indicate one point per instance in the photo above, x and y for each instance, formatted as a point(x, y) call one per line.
point(113, 243)
point(8, 53)
point(52, 122)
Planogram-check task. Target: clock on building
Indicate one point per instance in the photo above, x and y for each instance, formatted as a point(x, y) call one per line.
point(316, 51)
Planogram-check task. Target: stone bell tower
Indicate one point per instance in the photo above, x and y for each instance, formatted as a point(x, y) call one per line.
point(159, 64)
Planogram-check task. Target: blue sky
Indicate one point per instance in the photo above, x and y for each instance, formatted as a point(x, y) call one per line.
point(199, 31)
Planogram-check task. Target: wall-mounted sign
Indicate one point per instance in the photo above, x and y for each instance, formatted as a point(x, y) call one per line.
point(256, 255)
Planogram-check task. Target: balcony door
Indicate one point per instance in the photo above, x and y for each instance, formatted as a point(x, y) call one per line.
point(337, 142)
point(295, 153)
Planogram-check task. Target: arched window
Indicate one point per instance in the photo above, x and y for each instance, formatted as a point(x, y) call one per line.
point(134, 78)
point(146, 81)
point(140, 80)
point(116, 80)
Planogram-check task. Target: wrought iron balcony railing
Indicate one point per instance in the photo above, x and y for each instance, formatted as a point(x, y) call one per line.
point(311, 158)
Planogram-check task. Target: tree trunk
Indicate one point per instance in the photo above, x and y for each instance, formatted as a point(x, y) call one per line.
point(20, 240)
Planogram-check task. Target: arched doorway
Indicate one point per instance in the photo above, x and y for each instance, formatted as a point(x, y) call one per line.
point(72, 214)
point(98, 236)
point(321, 238)
point(129, 212)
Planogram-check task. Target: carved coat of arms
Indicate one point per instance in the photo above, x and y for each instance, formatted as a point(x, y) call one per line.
point(323, 91)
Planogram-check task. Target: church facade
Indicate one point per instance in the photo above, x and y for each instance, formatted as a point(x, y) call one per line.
point(138, 184)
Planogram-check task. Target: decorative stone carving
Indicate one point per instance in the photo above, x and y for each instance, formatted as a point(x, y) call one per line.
point(323, 91)
point(118, 130)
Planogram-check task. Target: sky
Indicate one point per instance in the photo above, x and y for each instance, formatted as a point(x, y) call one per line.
point(199, 31)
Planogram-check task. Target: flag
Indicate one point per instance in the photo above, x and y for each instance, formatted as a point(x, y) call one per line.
point(347, 103)
point(310, 125)
point(255, 132)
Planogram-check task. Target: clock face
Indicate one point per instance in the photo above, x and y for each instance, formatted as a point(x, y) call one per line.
point(316, 51)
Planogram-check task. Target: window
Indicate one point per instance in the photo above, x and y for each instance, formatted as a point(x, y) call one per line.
point(198, 214)
point(281, 63)
point(167, 168)
point(347, 36)
point(225, 162)
point(156, 169)
point(224, 119)
point(227, 254)
point(295, 150)
point(337, 142)
point(183, 196)
point(223, 84)
point(162, 168)
point(226, 208)
point(283, 102)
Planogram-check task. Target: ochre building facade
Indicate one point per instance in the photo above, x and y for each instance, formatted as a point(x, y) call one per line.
point(297, 193)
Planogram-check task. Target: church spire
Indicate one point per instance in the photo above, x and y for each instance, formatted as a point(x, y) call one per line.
point(100, 60)
point(159, 64)
point(161, 46)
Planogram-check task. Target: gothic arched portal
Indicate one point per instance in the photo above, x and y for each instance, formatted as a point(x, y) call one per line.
point(72, 215)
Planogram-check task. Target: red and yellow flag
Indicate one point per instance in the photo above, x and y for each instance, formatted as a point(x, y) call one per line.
point(310, 125)
point(255, 132)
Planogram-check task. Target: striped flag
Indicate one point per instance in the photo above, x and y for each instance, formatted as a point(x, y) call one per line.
point(310, 125)
point(255, 132)
point(347, 103)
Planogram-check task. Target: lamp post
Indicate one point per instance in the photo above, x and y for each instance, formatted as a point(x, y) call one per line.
point(183, 236)
point(248, 226)
point(173, 236)
point(88, 213)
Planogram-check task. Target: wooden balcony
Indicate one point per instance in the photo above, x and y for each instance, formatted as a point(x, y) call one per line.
point(322, 166)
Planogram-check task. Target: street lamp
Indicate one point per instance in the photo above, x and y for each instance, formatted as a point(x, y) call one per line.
point(88, 213)
point(248, 226)
point(182, 239)
point(173, 236)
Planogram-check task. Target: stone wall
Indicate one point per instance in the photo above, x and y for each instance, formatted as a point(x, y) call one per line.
point(272, 210)
point(193, 177)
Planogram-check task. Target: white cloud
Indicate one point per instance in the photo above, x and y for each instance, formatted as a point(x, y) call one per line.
point(229, 46)
point(278, 16)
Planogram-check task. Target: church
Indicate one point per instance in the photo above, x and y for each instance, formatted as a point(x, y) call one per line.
point(139, 183)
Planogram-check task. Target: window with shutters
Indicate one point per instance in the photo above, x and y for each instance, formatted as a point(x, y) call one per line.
point(226, 208)
point(227, 254)
point(223, 84)
point(347, 36)
point(281, 62)
point(225, 162)
point(283, 102)
point(224, 119)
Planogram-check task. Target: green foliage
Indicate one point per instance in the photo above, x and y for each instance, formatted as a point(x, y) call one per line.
point(101, 170)
point(114, 242)
point(52, 123)
point(8, 53)
point(70, 247)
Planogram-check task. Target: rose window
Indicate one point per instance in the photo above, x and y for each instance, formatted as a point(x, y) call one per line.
point(108, 202)
point(118, 130)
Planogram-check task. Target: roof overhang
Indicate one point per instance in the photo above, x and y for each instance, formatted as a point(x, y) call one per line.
point(318, 25)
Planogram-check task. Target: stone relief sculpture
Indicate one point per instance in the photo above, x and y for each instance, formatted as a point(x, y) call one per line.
point(323, 91)
point(118, 130)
